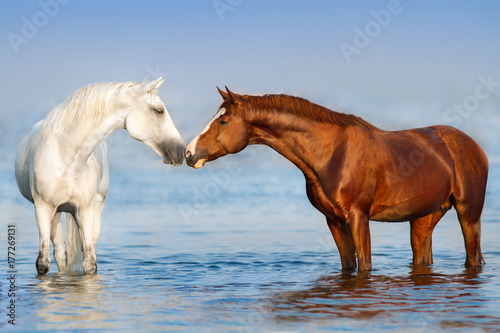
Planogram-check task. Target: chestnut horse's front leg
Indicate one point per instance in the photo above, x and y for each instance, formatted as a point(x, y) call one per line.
point(360, 229)
point(342, 235)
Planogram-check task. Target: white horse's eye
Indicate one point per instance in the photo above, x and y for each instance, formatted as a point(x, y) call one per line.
point(159, 111)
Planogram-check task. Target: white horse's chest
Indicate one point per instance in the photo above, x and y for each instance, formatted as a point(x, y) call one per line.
point(59, 182)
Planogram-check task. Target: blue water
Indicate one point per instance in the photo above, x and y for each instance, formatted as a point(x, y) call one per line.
point(237, 247)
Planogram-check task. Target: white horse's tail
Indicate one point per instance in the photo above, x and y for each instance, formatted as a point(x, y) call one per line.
point(74, 245)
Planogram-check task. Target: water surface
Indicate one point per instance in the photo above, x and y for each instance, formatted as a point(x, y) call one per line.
point(237, 248)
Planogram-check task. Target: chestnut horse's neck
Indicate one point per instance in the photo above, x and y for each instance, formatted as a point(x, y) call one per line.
point(275, 105)
point(305, 133)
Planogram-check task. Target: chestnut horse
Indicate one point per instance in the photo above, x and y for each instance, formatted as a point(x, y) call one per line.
point(356, 172)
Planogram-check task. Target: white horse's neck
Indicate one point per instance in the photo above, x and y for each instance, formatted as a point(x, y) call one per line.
point(78, 125)
point(79, 145)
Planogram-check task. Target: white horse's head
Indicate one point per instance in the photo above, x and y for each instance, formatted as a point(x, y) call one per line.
point(147, 120)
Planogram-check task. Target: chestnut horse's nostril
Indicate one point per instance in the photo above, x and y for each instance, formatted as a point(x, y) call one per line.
point(188, 154)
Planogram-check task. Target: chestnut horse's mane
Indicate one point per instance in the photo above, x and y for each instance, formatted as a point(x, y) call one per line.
point(302, 108)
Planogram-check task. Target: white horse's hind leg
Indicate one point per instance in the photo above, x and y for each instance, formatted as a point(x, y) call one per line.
point(58, 242)
point(44, 215)
point(86, 223)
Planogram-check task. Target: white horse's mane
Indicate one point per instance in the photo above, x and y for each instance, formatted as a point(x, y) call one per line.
point(86, 107)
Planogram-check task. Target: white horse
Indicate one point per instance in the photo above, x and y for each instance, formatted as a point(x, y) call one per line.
point(61, 166)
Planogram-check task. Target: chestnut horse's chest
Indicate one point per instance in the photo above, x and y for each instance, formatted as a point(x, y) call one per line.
point(322, 202)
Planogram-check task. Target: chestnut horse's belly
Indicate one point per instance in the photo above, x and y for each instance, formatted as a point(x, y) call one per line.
point(425, 193)
point(410, 207)
point(394, 214)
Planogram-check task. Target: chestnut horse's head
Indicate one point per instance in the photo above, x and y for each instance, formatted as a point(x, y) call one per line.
point(227, 133)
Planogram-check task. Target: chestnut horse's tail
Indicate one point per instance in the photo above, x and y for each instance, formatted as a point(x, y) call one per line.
point(469, 189)
point(74, 244)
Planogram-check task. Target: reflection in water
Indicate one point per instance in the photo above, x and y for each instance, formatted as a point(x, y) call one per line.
point(80, 301)
point(73, 301)
point(414, 300)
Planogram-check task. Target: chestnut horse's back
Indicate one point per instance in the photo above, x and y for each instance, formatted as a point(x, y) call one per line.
point(469, 187)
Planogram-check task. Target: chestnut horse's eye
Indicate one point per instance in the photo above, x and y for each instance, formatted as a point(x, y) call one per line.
point(222, 122)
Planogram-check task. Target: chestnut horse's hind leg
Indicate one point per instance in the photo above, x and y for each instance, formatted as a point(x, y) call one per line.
point(471, 228)
point(421, 235)
point(469, 191)
point(468, 200)
point(345, 244)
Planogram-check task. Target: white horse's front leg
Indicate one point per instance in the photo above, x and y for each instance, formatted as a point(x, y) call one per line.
point(86, 223)
point(58, 242)
point(97, 224)
point(44, 215)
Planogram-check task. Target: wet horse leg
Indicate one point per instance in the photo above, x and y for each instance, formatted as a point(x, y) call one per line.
point(342, 235)
point(99, 206)
point(421, 236)
point(468, 200)
point(471, 228)
point(360, 230)
point(58, 242)
point(44, 215)
point(469, 190)
point(86, 223)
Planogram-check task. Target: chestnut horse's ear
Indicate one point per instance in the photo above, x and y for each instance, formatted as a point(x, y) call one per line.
point(232, 97)
point(223, 94)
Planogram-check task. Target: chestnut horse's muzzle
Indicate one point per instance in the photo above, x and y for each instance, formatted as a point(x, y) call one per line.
point(194, 161)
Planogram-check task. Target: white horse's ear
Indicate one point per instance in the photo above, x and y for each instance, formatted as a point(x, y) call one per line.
point(150, 86)
point(159, 82)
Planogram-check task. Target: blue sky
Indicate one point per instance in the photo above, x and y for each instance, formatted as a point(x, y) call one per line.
point(427, 57)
